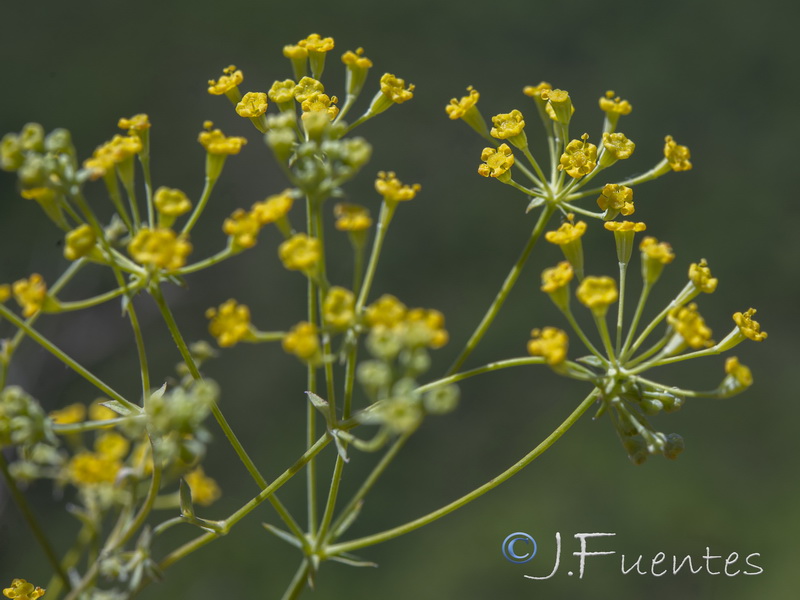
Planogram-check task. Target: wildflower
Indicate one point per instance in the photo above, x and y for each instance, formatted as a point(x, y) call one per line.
point(282, 93)
point(227, 83)
point(90, 468)
point(252, 104)
point(357, 67)
point(205, 490)
point(425, 327)
point(394, 88)
point(612, 105)
point(497, 163)
point(111, 446)
point(31, 294)
point(274, 208)
point(98, 412)
point(243, 227)
point(300, 252)
point(616, 199)
point(351, 217)
point(654, 256)
point(5, 292)
point(617, 147)
point(160, 248)
point(393, 190)
point(677, 156)
point(171, 203)
point(688, 323)
point(557, 277)
point(598, 293)
point(457, 109)
point(230, 323)
point(74, 413)
point(739, 372)
point(559, 105)
point(568, 237)
point(22, 590)
point(215, 142)
point(294, 52)
point(551, 343)
point(316, 43)
point(79, 242)
point(307, 87)
point(338, 308)
point(510, 127)
point(302, 341)
point(386, 311)
point(748, 327)
point(114, 152)
point(535, 91)
point(140, 122)
point(700, 276)
point(624, 232)
point(579, 158)
point(321, 103)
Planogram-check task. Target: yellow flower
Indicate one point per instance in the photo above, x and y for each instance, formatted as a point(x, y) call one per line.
point(700, 276)
point(557, 277)
point(89, 468)
point(677, 156)
point(507, 125)
point(496, 163)
point(252, 104)
point(300, 252)
point(113, 152)
point(111, 446)
point(559, 105)
point(230, 323)
point(5, 292)
point(215, 142)
point(611, 104)
point(551, 343)
point(619, 146)
point(321, 103)
point(386, 311)
point(566, 234)
point(302, 341)
point(243, 227)
point(307, 87)
point(356, 60)
point(653, 250)
point(748, 326)
point(22, 590)
point(295, 52)
point(98, 412)
point(316, 43)
point(624, 226)
point(161, 248)
point(597, 293)
point(140, 122)
point(688, 323)
point(393, 190)
point(30, 293)
point(616, 198)
point(282, 91)
point(79, 242)
point(394, 88)
point(579, 158)
point(357, 68)
point(205, 490)
point(535, 91)
point(338, 308)
point(458, 108)
point(171, 202)
point(74, 413)
point(230, 79)
point(273, 207)
point(739, 372)
point(351, 217)
point(425, 327)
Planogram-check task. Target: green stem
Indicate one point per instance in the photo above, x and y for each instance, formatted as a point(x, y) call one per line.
point(383, 536)
point(200, 206)
point(93, 301)
point(207, 262)
point(637, 316)
point(492, 366)
point(387, 212)
point(298, 583)
point(505, 290)
point(623, 270)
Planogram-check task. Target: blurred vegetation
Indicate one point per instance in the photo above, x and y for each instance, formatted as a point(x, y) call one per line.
point(721, 77)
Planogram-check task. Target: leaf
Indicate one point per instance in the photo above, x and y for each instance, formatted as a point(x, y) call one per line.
point(187, 508)
point(284, 535)
point(117, 407)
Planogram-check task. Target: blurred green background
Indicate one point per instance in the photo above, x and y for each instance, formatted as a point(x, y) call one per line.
point(721, 77)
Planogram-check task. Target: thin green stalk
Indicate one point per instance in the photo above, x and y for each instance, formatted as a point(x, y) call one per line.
point(505, 290)
point(387, 212)
point(636, 318)
point(93, 301)
point(311, 376)
point(200, 206)
point(33, 523)
point(541, 179)
point(298, 583)
point(492, 366)
point(586, 342)
point(389, 534)
point(623, 270)
point(653, 173)
point(66, 359)
point(206, 262)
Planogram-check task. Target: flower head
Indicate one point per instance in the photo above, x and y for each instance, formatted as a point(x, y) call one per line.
point(507, 125)
point(393, 190)
point(252, 104)
point(74, 413)
point(317, 43)
point(559, 105)
point(579, 158)
point(624, 226)
point(700, 276)
point(655, 251)
point(302, 341)
point(458, 108)
point(351, 217)
point(677, 156)
point(386, 311)
point(215, 142)
point(551, 343)
point(105, 157)
point(22, 590)
point(425, 327)
point(321, 103)
point(566, 233)
point(356, 60)
point(338, 308)
point(230, 78)
point(205, 490)
point(243, 227)
point(30, 294)
point(161, 248)
point(274, 207)
point(688, 323)
point(616, 199)
point(557, 277)
point(598, 293)
point(749, 327)
point(618, 145)
point(535, 91)
point(171, 202)
point(307, 87)
point(395, 89)
point(740, 372)
point(79, 242)
point(611, 104)
point(230, 323)
point(92, 468)
point(140, 122)
point(282, 92)
point(497, 162)
point(300, 252)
